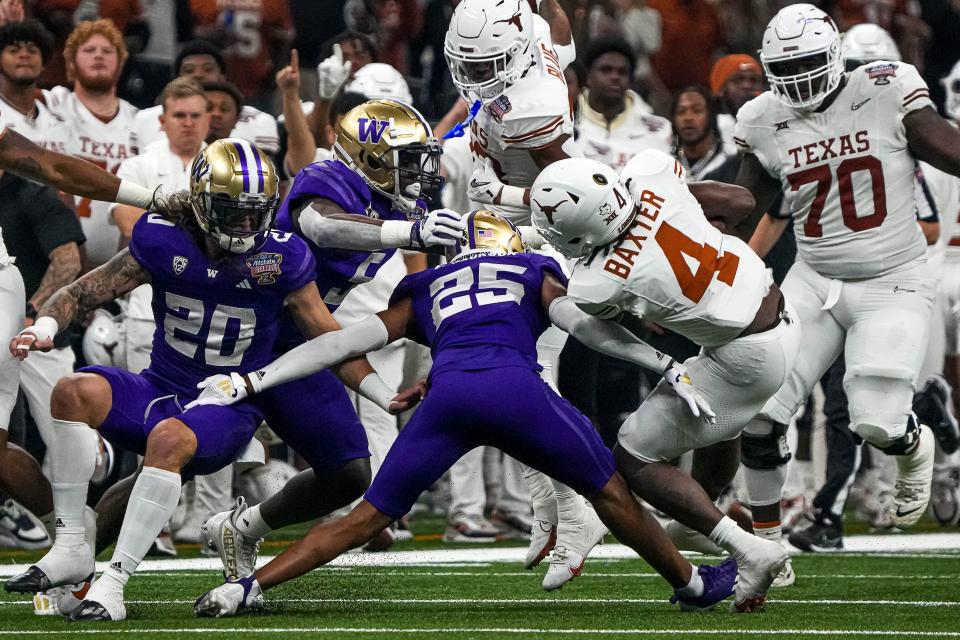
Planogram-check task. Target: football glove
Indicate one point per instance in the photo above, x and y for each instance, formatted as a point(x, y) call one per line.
point(678, 379)
point(222, 390)
point(438, 227)
point(332, 74)
point(230, 598)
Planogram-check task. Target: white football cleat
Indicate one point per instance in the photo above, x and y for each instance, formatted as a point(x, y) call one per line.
point(61, 600)
point(238, 552)
point(575, 540)
point(911, 493)
point(543, 538)
point(786, 577)
point(229, 598)
point(758, 569)
point(101, 604)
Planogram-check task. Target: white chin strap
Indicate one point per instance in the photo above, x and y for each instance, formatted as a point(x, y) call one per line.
point(236, 245)
point(407, 200)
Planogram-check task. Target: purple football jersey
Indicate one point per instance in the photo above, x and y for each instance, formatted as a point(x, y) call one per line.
point(339, 270)
point(214, 317)
point(481, 311)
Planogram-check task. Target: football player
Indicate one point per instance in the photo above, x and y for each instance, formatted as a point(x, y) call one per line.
point(480, 314)
point(512, 61)
point(221, 279)
point(354, 212)
point(842, 147)
point(644, 246)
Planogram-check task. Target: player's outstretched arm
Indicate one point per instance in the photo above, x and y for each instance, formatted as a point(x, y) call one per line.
point(68, 173)
point(327, 225)
point(611, 339)
point(726, 204)
point(560, 32)
point(764, 188)
point(933, 140)
point(120, 275)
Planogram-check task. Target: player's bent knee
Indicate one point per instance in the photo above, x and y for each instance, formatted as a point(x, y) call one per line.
point(355, 477)
point(879, 406)
point(760, 450)
point(80, 397)
point(170, 445)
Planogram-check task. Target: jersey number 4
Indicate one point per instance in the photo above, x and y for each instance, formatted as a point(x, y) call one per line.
point(464, 289)
point(677, 247)
point(848, 206)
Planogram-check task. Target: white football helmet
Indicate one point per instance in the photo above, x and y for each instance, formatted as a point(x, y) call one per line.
point(579, 204)
point(801, 56)
point(951, 85)
point(379, 81)
point(104, 341)
point(489, 46)
point(865, 43)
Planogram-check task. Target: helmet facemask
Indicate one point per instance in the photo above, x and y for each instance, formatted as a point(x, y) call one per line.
point(237, 226)
point(486, 77)
point(417, 180)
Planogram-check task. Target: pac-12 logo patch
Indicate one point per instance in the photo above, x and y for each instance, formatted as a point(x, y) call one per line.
point(371, 130)
point(179, 264)
point(265, 267)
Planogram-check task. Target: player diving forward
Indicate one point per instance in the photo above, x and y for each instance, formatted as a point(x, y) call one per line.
point(645, 247)
point(842, 147)
point(220, 281)
point(481, 314)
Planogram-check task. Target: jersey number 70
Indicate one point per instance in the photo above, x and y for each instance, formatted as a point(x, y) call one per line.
point(823, 177)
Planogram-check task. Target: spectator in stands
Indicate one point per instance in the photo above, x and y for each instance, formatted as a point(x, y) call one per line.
point(203, 62)
point(692, 34)
point(226, 103)
point(11, 11)
point(698, 146)
point(734, 80)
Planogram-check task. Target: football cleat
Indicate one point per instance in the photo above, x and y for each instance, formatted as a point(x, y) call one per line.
point(513, 525)
point(945, 497)
point(758, 569)
point(238, 552)
point(912, 490)
point(574, 542)
point(786, 577)
point(822, 534)
point(543, 539)
point(719, 583)
point(61, 600)
point(30, 581)
point(230, 598)
point(102, 604)
point(933, 406)
point(465, 527)
point(20, 529)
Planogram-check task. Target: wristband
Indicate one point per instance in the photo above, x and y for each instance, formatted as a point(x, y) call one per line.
point(44, 327)
point(512, 196)
point(395, 233)
point(132, 194)
point(374, 389)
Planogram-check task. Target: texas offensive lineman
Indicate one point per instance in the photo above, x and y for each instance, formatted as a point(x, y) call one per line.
point(512, 62)
point(842, 148)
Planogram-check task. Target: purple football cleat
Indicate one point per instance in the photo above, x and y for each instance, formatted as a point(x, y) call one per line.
point(718, 584)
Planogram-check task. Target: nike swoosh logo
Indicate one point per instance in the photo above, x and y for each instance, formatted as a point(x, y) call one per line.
point(477, 185)
point(898, 289)
point(857, 105)
point(901, 513)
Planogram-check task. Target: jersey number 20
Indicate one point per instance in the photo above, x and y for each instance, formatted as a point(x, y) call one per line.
point(228, 334)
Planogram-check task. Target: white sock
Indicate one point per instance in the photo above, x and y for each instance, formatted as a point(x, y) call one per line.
point(694, 588)
point(570, 506)
point(770, 531)
point(727, 535)
point(251, 524)
point(73, 457)
point(542, 495)
point(49, 523)
point(152, 502)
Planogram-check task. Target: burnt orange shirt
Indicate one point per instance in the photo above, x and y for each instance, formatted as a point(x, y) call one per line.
point(692, 33)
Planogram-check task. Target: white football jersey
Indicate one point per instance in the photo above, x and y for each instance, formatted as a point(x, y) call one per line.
point(846, 172)
point(529, 115)
point(614, 143)
point(44, 129)
point(945, 190)
point(254, 125)
point(673, 267)
point(105, 144)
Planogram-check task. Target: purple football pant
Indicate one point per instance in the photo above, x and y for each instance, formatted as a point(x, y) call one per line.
point(511, 409)
point(139, 403)
point(315, 417)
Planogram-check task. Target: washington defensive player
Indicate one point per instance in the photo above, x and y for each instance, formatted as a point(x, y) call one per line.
point(512, 61)
point(842, 147)
point(354, 212)
point(220, 281)
point(644, 246)
point(481, 314)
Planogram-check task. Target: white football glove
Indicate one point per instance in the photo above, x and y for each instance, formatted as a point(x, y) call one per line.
point(230, 598)
point(484, 184)
point(440, 227)
point(676, 376)
point(332, 74)
point(222, 390)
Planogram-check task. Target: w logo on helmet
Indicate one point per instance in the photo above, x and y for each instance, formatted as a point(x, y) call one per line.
point(371, 130)
point(200, 168)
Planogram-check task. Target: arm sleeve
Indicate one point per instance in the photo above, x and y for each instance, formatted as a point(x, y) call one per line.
point(322, 352)
point(604, 336)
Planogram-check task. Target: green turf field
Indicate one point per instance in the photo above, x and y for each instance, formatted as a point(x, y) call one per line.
point(881, 595)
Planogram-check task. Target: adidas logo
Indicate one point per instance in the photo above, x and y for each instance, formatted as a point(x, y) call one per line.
point(243, 284)
point(59, 524)
point(116, 566)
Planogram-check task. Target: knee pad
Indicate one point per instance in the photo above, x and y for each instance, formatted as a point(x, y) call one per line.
point(879, 403)
point(765, 451)
point(905, 443)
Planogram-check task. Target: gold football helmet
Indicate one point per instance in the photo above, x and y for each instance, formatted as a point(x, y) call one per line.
point(392, 147)
point(234, 193)
point(487, 232)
